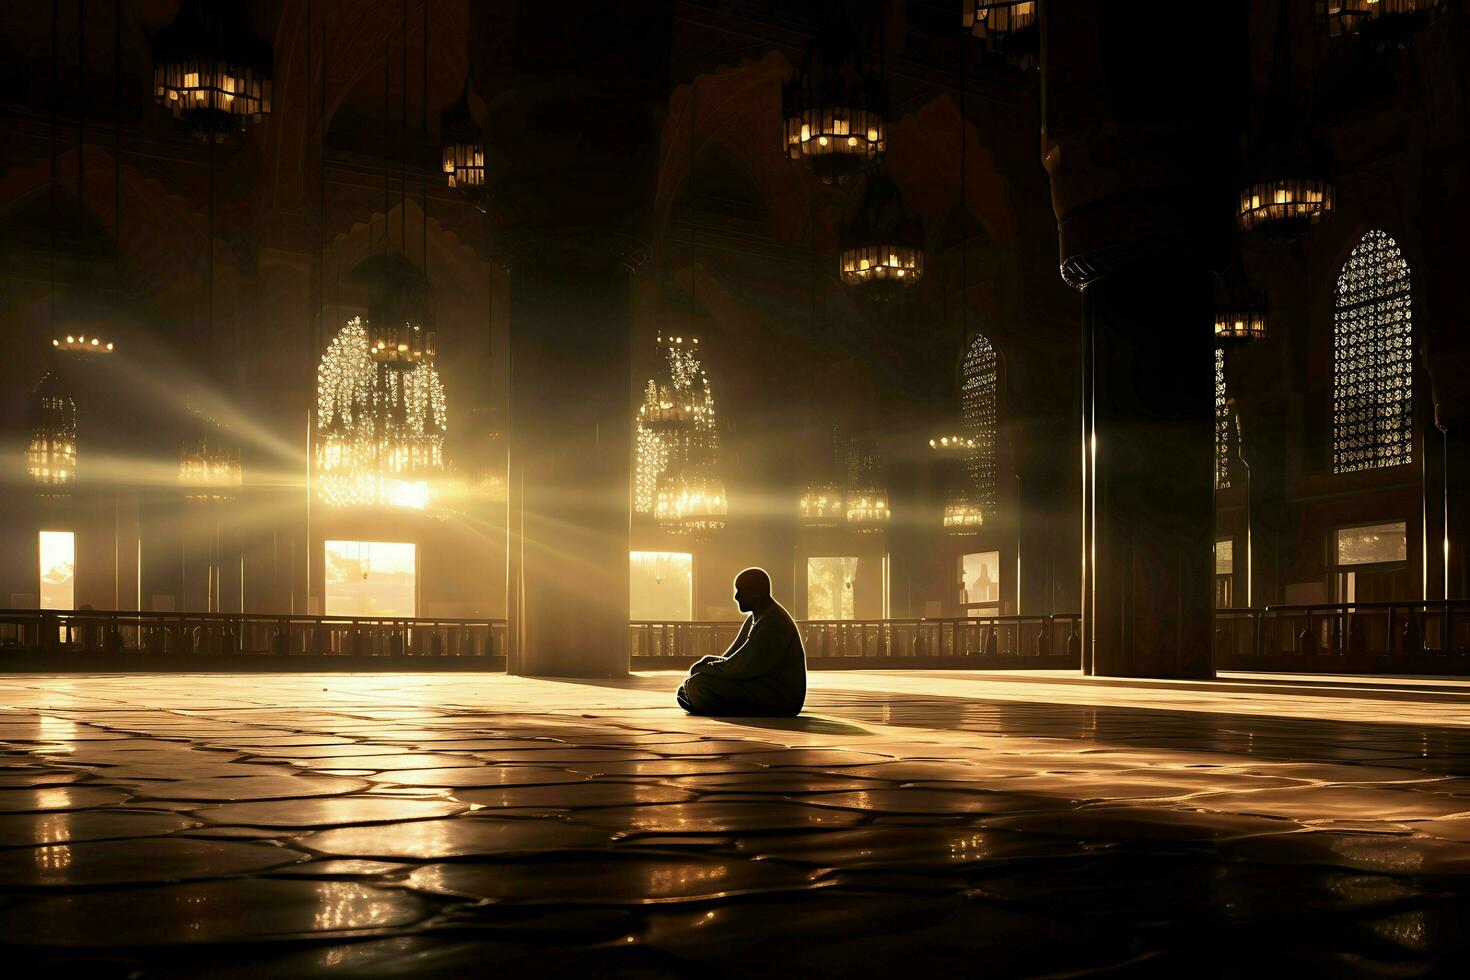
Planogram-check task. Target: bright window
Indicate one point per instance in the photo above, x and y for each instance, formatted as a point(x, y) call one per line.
point(978, 417)
point(1225, 557)
point(372, 579)
point(1373, 359)
point(1375, 544)
point(980, 581)
point(829, 588)
point(58, 569)
point(1224, 425)
point(660, 586)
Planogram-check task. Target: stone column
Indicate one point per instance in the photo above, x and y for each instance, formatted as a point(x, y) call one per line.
point(570, 439)
point(1148, 507)
point(1138, 143)
point(573, 115)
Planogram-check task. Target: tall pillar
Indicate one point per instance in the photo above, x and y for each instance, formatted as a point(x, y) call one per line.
point(1148, 507)
point(573, 115)
point(1138, 143)
point(570, 437)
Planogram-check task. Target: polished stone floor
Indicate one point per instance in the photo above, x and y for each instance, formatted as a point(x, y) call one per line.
point(910, 823)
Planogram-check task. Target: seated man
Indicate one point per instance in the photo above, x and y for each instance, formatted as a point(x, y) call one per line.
point(763, 672)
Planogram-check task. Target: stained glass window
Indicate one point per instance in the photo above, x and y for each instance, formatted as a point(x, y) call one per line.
point(978, 418)
point(1373, 357)
point(1224, 426)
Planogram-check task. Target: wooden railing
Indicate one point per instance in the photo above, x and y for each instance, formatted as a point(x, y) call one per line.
point(90, 631)
point(994, 637)
point(1398, 637)
point(1432, 636)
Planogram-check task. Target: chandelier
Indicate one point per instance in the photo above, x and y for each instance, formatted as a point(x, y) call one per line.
point(883, 246)
point(208, 73)
point(867, 499)
point(399, 332)
point(962, 514)
point(692, 502)
point(1241, 326)
point(463, 146)
point(1240, 323)
point(1387, 22)
point(51, 457)
point(1008, 28)
point(380, 431)
point(822, 505)
point(209, 462)
point(676, 476)
point(1287, 190)
point(1285, 207)
point(952, 445)
point(82, 344)
point(835, 109)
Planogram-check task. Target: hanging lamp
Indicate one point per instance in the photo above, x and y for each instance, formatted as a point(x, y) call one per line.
point(209, 460)
point(462, 146)
point(823, 502)
point(882, 246)
point(835, 108)
point(1385, 23)
point(1009, 28)
point(51, 457)
point(866, 498)
point(209, 72)
point(1286, 190)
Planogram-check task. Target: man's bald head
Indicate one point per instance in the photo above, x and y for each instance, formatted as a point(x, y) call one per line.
point(753, 590)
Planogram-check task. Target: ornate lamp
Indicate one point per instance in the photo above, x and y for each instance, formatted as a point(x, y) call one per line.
point(209, 73)
point(882, 246)
point(380, 431)
point(1285, 207)
point(835, 109)
point(867, 510)
point(692, 502)
point(51, 457)
point(1238, 324)
point(209, 462)
point(82, 344)
point(677, 421)
point(822, 505)
point(1287, 189)
point(949, 444)
point(1008, 27)
point(1386, 22)
point(962, 514)
point(1236, 327)
point(400, 332)
point(463, 146)
point(866, 499)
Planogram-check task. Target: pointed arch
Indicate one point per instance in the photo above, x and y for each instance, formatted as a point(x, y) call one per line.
point(979, 417)
point(1372, 358)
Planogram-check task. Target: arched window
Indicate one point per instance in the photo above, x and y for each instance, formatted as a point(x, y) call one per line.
point(1372, 359)
point(978, 418)
point(1224, 428)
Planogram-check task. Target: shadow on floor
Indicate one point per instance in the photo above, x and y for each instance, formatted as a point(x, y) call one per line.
point(801, 723)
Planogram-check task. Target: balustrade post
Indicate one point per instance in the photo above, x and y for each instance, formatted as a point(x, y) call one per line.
point(1413, 641)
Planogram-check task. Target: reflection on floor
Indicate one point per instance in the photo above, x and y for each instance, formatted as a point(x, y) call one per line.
point(1011, 824)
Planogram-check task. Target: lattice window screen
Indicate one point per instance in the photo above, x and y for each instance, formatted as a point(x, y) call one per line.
point(978, 418)
point(1224, 426)
point(1373, 359)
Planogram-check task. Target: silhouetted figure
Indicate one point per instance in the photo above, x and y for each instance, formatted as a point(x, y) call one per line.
point(763, 672)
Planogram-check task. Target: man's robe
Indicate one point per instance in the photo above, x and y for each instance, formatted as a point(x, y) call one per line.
point(762, 673)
